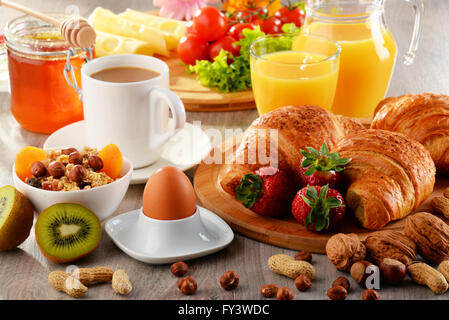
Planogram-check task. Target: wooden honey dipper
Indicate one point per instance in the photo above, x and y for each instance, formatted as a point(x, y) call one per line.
point(76, 31)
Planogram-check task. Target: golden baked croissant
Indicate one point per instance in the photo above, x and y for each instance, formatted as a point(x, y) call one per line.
point(297, 128)
point(424, 117)
point(389, 175)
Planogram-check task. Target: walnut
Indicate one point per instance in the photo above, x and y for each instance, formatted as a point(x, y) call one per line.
point(431, 235)
point(345, 249)
point(390, 244)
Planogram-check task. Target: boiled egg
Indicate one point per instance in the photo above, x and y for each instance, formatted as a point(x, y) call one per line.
point(169, 195)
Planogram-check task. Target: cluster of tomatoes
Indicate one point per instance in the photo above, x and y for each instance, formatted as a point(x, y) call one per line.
point(210, 30)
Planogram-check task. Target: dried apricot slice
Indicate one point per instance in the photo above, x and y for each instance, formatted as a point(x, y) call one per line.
point(25, 158)
point(112, 160)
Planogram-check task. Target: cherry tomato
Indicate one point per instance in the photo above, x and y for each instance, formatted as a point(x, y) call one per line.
point(190, 28)
point(272, 25)
point(225, 43)
point(193, 48)
point(237, 29)
point(210, 24)
point(293, 15)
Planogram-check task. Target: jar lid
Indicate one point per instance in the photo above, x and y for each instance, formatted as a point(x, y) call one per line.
point(32, 36)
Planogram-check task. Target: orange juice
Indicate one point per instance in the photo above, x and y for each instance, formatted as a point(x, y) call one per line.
point(368, 53)
point(293, 78)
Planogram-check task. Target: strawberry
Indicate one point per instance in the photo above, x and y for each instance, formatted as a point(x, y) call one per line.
point(267, 191)
point(318, 208)
point(319, 168)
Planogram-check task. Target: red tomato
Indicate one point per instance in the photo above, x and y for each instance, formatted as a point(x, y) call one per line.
point(2, 38)
point(193, 48)
point(272, 25)
point(294, 15)
point(236, 30)
point(190, 28)
point(210, 24)
point(225, 43)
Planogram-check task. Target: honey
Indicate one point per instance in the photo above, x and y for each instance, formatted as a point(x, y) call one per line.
point(41, 99)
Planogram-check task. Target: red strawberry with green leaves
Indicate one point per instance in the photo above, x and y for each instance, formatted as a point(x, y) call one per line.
point(267, 191)
point(318, 208)
point(319, 168)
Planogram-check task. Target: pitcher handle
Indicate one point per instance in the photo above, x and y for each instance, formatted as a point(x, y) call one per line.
point(418, 6)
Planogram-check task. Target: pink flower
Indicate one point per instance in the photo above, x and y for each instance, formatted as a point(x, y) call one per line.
point(180, 9)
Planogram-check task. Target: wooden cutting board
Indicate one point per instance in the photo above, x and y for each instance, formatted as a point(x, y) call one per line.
point(287, 232)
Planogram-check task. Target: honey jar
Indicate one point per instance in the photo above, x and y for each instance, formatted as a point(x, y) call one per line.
point(41, 99)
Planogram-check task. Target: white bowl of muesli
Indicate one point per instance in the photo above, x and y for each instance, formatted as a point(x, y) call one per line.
point(83, 185)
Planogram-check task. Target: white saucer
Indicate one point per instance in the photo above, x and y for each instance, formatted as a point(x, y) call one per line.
point(159, 241)
point(184, 150)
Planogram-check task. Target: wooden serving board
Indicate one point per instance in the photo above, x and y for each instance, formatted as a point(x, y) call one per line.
point(287, 232)
point(199, 98)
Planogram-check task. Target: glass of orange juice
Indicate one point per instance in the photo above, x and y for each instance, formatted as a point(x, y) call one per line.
point(304, 76)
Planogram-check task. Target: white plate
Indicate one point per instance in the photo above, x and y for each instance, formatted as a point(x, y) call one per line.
point(184, 150)
point(160, 241)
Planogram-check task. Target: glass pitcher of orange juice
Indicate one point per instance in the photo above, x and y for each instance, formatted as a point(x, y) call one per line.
point(368, 49)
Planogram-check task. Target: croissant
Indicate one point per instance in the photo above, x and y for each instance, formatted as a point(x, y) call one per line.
point(424, 117)
point(389, 176)
point(294, 128)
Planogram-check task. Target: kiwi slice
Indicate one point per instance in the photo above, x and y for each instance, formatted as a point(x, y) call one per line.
point(16, 218)
point(66, 232)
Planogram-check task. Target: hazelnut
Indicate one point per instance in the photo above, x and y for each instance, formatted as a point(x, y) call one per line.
point(303, 283)
point(342, 281)
point(56, 169)
point(76, 158)
point(47, 185)
point(187, 285)
point(361, 270)
point(179, 269)
point(337, 293)
point(284, 293)
point(269, 290)
point(78, 173)
point(229, 280)
point(95, 163)
point(304, 255)
point(68, 151)
point(393, 271)
point(370, 294)
point(38, 169)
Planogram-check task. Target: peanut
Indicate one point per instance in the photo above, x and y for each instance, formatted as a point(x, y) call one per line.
point(424, 274)
point(121, 283)
point(444, 269)
point(287, 266)
point(89, 276)
point(440, 205)
point(61, 281)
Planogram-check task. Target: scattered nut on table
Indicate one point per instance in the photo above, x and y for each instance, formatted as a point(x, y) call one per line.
point(229, 280)
point(269, 290)
point(179, 269)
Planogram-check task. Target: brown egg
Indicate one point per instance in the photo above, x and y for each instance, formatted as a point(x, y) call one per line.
point(169, 195)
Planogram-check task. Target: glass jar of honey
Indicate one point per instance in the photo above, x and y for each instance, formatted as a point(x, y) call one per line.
point(41, 99)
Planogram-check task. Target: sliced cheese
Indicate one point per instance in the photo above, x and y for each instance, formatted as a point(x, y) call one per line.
point(173, 30)
point(110, 44)
point(105, 20)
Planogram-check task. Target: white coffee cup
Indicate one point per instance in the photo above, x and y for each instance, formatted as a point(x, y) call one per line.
point(134, 115)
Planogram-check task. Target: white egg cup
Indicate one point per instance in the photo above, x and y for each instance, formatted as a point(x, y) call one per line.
point(165, 241)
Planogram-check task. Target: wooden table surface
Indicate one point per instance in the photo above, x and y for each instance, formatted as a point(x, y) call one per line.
point(23, 272)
